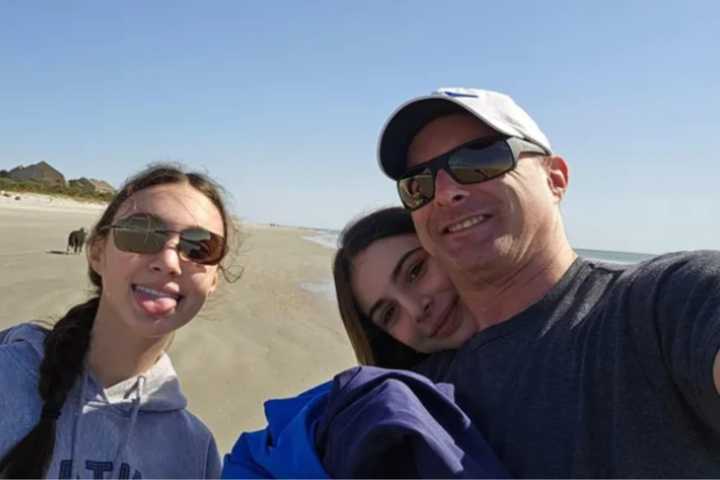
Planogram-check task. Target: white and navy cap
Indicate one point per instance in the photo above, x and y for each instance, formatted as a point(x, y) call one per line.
point(497, 110)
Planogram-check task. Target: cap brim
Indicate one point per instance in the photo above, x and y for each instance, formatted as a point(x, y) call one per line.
point(404, 125)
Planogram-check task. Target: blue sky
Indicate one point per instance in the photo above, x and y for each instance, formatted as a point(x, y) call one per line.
point(282, 102)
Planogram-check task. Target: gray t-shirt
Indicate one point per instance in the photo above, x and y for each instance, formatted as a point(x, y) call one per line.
point(609, 375)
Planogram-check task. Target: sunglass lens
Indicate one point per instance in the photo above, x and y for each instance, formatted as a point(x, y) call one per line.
point(137, 234)
point(417, 190)
point(474, 165)
point(201, 246)
point(138, 241)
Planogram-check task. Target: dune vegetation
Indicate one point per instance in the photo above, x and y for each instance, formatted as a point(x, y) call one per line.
point(75, 190)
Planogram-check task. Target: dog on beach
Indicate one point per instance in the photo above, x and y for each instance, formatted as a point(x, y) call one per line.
point(76, 240)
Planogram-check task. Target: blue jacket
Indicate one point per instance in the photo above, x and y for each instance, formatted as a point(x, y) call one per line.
point(286, 448)
point(394, 423)
point(367, 422)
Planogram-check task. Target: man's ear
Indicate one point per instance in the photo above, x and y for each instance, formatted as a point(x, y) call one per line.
point(96, 255)
point(558, 175)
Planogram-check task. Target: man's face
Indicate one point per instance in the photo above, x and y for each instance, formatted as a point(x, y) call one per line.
point(487, 225)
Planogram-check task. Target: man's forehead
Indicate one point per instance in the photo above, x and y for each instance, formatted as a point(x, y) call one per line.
point(443, 134)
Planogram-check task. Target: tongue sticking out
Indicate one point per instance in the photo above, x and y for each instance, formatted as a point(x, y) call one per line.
point(155, 305)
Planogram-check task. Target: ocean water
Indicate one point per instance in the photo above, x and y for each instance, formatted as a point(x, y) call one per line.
point(614, 256)
point(329, 238)
point(326, 238)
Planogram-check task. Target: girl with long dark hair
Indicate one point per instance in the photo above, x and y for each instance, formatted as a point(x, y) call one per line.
point(96, 396)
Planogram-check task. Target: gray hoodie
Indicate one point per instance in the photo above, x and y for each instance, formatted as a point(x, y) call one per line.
point(138, 428)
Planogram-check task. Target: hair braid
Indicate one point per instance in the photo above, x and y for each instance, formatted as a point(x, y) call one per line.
point(66, 346)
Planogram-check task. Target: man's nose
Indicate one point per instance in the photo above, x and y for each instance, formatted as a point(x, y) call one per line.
point(448, 192)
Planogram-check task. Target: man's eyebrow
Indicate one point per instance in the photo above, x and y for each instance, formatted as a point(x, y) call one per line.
point(393, 276)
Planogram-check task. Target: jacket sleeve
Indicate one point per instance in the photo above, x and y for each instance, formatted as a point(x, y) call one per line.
point(286, 448)
point(392, 423)
point(240, 463)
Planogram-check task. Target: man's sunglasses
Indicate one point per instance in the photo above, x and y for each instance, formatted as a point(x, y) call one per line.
point(147, 234)
point(474, 162)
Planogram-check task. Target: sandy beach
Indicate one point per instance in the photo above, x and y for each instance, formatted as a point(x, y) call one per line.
point(273, 333)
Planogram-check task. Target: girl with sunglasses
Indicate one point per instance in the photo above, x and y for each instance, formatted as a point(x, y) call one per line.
point(96, 395)
point(397, 307)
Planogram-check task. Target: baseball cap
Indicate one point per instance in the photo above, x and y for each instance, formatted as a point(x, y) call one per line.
point(497, 110)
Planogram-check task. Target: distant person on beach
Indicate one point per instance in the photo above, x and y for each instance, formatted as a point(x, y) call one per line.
point(397, 306)
point(96, 395)
point(579, 368)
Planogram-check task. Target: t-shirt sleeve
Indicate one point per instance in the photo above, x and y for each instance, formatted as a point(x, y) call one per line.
point(686, 313)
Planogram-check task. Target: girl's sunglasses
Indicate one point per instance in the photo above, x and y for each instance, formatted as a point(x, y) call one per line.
point(474, 162)
point(147, 234)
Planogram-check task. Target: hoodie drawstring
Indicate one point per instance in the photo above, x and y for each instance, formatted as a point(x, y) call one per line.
point(137, 401)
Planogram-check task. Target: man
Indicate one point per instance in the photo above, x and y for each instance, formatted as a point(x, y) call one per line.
point(579, 368)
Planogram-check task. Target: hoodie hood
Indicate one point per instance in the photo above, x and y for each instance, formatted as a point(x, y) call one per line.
point(157, 390)
point(160, 393)
point(104, 430)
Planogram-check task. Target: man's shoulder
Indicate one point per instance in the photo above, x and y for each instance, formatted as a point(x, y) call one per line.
point(663, 287)
point(687, 267)
point(660, 270)
point(709, 258)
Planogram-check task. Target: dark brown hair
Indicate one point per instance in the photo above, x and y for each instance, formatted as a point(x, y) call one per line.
point(67, 343)
point(371, 344)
